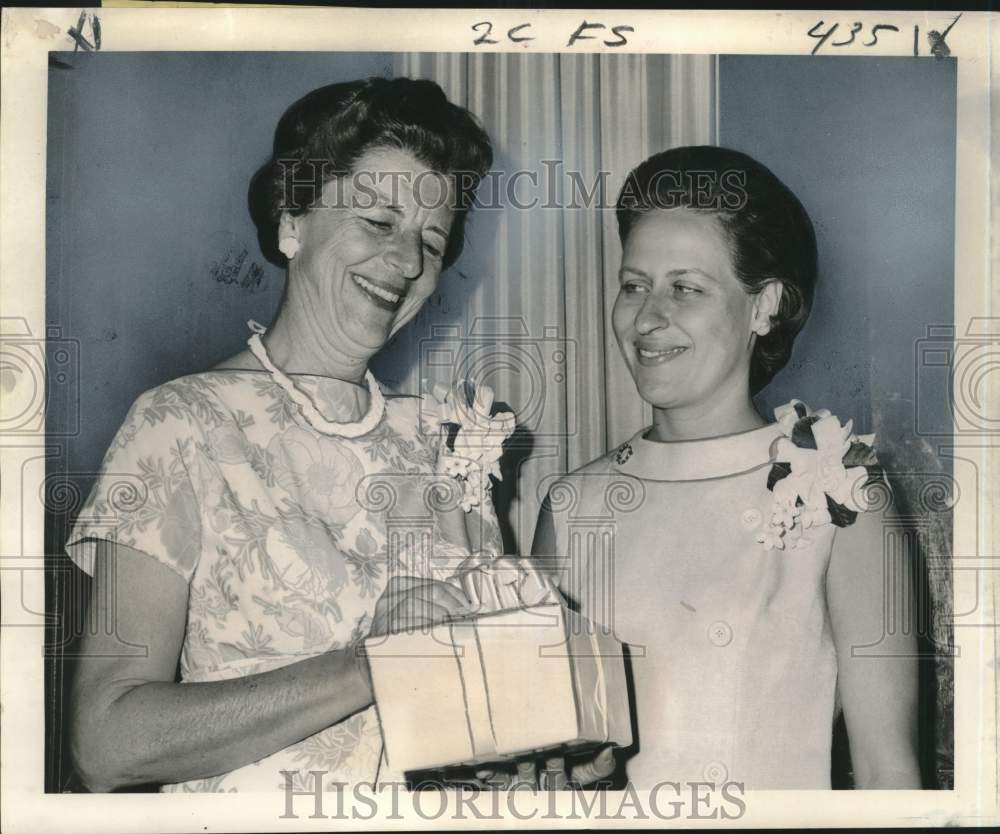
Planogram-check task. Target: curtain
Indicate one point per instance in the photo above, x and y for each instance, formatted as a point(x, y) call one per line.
point(526, 310)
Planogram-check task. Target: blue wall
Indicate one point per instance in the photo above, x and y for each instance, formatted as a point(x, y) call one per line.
point(868, 145)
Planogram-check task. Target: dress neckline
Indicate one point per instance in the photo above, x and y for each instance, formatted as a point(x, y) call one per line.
point(696, 460)
point(297, 375)
point(335, 399)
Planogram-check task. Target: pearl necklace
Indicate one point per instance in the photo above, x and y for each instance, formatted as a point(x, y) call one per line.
point(311, 414)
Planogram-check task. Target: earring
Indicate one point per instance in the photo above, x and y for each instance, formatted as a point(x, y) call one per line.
point(289, 246)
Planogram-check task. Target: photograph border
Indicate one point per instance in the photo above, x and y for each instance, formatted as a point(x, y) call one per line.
point(29, 35)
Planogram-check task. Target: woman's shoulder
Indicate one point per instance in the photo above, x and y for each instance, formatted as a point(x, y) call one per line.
point(590, 473)
point(190, 392)
point(597, 466)
point(186, 406)
point(612, 461)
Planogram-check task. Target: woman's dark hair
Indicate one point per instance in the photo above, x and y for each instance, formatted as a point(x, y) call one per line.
point(770, 234)
point(323, 134)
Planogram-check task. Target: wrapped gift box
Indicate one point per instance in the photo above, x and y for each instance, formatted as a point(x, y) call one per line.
point(497, 686)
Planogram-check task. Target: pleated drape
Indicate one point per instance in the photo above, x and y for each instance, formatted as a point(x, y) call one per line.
point(527, 308)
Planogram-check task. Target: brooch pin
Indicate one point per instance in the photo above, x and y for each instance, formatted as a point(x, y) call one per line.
point(624, 453)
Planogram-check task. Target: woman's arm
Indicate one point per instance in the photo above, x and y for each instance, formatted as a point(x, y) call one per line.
point(131, 724)
point(869, 590)
point(545, 547)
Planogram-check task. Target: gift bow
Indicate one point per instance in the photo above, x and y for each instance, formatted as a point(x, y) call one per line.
point(495, 583)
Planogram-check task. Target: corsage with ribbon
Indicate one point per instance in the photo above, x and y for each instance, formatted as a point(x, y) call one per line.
point(819, 475)
point(474, 442)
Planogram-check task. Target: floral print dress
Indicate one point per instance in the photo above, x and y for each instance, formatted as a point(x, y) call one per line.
point(285, 536)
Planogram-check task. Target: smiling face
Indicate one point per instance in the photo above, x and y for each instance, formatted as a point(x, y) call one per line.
point(370, 255)
point(683, 320)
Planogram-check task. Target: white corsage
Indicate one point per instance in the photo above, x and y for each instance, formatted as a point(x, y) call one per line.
point(472, 448)
point(818, 477)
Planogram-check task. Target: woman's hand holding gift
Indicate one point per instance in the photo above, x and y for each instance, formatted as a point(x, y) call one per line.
point(553, 776)
point(594, 768)
point(411, 602)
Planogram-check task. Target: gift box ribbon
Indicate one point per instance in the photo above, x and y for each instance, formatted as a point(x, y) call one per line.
point(475, 694)
point(495, 584)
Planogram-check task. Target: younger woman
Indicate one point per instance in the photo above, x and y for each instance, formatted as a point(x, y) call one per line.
point(740, 563)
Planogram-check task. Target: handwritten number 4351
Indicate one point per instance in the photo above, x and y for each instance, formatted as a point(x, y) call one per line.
point(936, 39)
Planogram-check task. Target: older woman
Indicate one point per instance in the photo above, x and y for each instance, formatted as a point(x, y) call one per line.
point(747, 563)
point(246, 543)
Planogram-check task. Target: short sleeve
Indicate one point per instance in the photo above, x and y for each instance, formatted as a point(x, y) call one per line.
point(145, 496)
